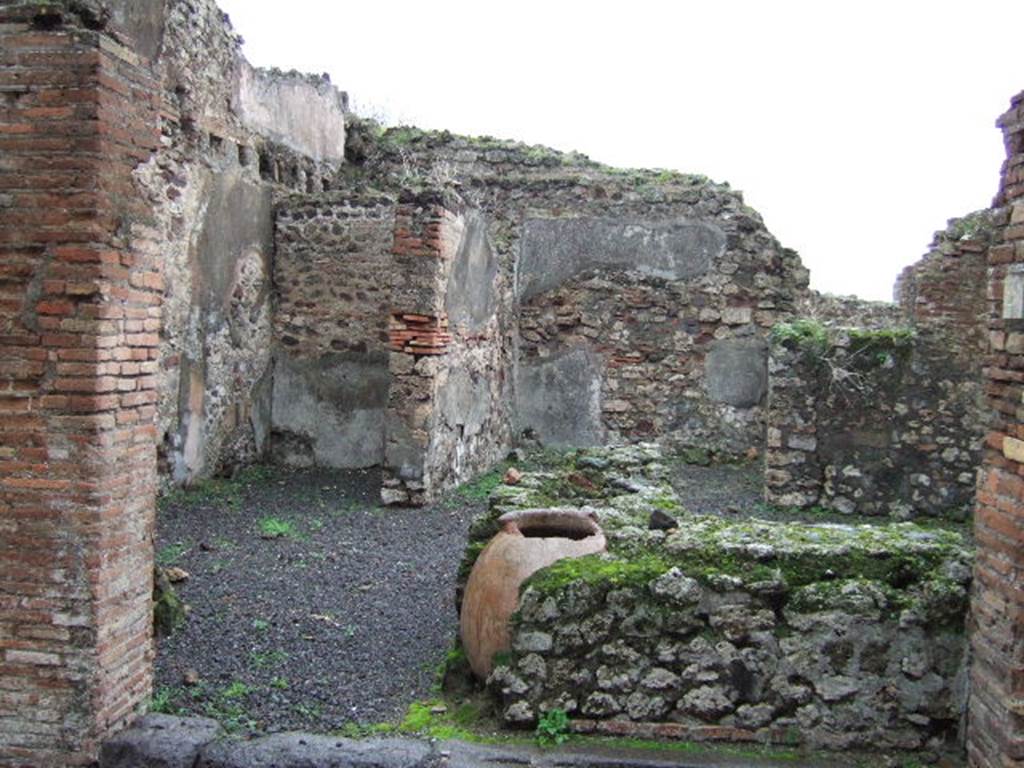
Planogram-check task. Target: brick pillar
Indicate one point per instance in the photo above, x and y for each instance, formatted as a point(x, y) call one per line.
point(427, 234)
point(996, 719)
point(79, 327)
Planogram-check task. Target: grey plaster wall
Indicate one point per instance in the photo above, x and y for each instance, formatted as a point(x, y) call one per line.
point(559, 399)
point(217, 322)
point(329, 411)
point(736, 372)
point(237, 220)
point(553, 250)
point(470, 299)
point(463, 402)
point(303, 112)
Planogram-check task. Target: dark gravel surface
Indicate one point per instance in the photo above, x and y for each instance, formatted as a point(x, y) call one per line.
point(344, 619)
point(727, 490)
point(735, 491)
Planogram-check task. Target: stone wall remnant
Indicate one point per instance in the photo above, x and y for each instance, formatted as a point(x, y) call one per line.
point(230, 137)
point(869, 422)
point(559, 399)
point(864, 418)
point(333, 273)
point(448, 415)
point(555, 250)
point(996, 720)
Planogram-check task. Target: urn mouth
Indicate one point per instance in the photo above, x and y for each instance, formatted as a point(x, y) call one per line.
point(573, 524)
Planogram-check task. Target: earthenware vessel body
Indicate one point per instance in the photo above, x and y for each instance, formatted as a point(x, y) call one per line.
point(527, 541)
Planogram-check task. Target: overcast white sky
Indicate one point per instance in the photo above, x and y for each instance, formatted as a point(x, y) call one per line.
point(856, 129)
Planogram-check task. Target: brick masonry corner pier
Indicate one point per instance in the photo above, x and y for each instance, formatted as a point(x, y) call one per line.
point(80, 296)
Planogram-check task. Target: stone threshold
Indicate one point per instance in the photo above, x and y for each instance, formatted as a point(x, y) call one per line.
point(167, 741)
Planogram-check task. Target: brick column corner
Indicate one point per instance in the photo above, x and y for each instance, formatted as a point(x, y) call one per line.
point(80, 296)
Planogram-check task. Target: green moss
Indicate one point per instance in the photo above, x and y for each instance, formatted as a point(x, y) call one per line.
point(667, 504)
point(431, 719)
point(171, 553)
point(880, 347)
point(902, 564)
point(275, 528)
point(455, 663)
point(598, 569)
point(469, 556)
point(978, 225)
point(804, 334)
point(168, 609)
point(479, 488)
point(695, 455)
point(501, 659)
point(218, 491)
point(163, 701)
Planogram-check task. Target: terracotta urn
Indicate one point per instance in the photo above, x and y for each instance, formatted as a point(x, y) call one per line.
point(529, 540)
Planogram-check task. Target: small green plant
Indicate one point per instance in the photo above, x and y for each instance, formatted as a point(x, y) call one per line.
point(275, 528)
point(268, 659)
point(805, 334)
point(418, 718)
point(480, 488)
point(553, 728)
point(280, 683)
point(308, 711)
point(260, 625)
point(666, 504)
point(976, 225)
point(226, 705)
point(431, 718)
point(163, 701)
point(171, 553)
point(237, 690)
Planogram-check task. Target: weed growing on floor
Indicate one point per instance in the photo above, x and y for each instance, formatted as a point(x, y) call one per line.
point(162, 701)
point(228, 707)
point(308, 711)
point(552, 728)
point(172, 553)
point(275, 528)
point(480, 487)
point(218, 491)
point(236, 690)
point(431, 719)
point(268, 659)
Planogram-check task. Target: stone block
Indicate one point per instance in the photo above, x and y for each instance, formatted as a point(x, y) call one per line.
point(160, 741)
point(1013, 449)
point(300, 750)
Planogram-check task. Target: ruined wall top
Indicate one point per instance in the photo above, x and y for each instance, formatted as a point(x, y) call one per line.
point(210, 86)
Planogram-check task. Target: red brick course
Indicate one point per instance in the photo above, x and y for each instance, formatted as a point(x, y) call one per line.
point(418, 334)
point(77, 456)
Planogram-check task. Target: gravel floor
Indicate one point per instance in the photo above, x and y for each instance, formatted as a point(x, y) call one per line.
point(719, 489)
point(344, 618)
